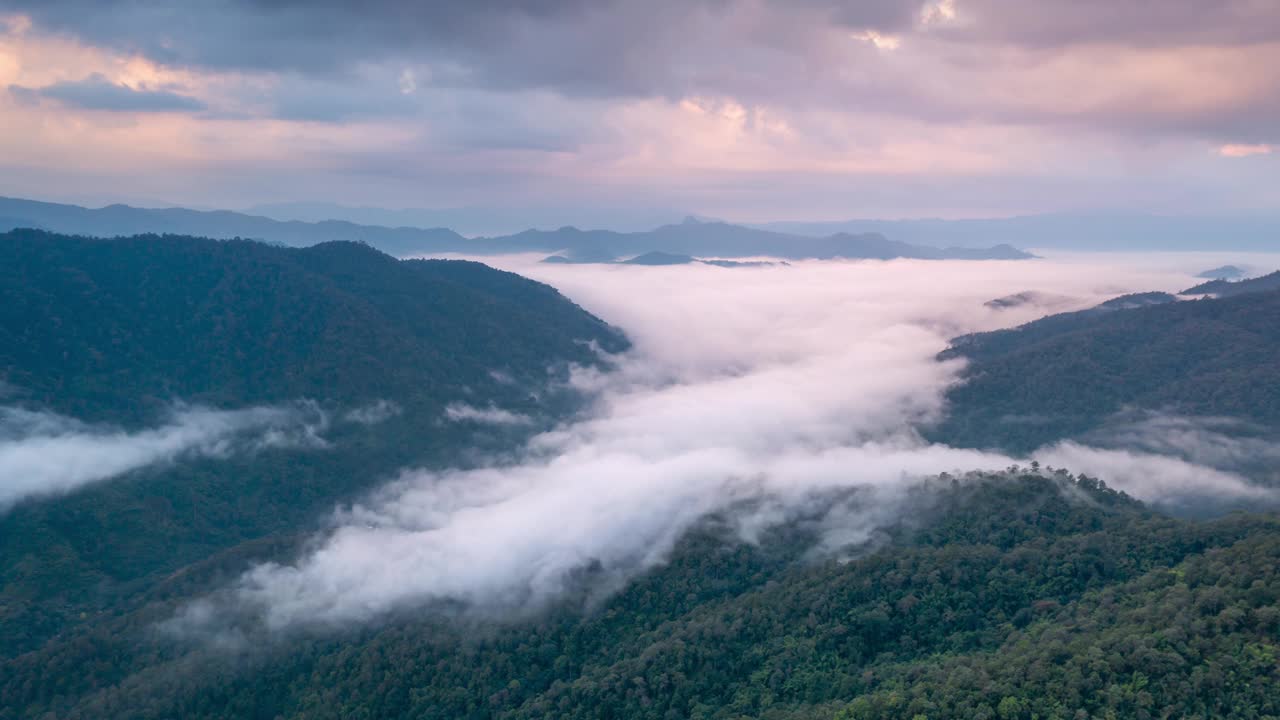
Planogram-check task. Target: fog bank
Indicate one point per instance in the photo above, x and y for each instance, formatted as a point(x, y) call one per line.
point(774, 383)
point(42, 453)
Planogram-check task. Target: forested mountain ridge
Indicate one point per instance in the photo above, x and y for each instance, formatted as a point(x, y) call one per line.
point(1067, 374)
point(106, 328)
point(1014, 595)
point(113, 332)
point(1105, 232)
point(1228, 288)
point(708, 239)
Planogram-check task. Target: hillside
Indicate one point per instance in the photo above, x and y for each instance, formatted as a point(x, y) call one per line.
point(1015, 595)
point(114, 332)
point(109, 328)
point(1230, 288)
point(701, 239)
point(1067, 374)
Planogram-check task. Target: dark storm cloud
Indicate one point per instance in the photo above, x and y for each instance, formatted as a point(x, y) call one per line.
point(1058, 23)
point(333, 102)
point(97, 93)
point(603, 48)
point(758, 51)
point(1019, 97)
point(626, 37)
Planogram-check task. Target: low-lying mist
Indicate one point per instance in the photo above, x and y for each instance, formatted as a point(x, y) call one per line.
point(43, 453)
point(776, 383)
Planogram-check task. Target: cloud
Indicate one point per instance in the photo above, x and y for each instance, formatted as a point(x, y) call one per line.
point(374, 96)
point(1240, 151)
point(1156, 478)
point(96, 92)
point(407, 82)
point(1182, 70)
point(460, 412)
point(883, 42)
point(1224, 443)
point(44, 454)
point(1058, 23)
point(588, 103)
point(608, 47)
point(938, 13)
point(617, 44)
point(756, 395)
point(509, 538)
point(373, 413)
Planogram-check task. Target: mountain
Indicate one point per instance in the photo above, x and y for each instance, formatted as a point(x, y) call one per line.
point(654, 258)
point(1066, 375)
point(1029, 297)
point(716, 239)
point(219, 224)
point(1229, 288)
point(1016, 595)
point(659, 258)
point(692, 237)
point(583, 253)
point(1226, 272)
point(110, 334)
point(103, 327)
point(744, 263)
point(721, 240)
point(1094, 231)
point(475, 220)
point(1130, 302)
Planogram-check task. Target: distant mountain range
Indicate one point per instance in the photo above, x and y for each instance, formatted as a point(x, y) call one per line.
point(474, 221)
point(123, 220)
point(696, 238)
point(1078, 231)
point(658, 258)
point(692, 237)
point(1091, 231)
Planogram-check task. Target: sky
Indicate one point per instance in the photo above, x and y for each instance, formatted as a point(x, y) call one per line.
point(750, 110)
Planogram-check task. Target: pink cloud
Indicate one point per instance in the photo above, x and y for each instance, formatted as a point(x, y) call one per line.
point(1239, 151)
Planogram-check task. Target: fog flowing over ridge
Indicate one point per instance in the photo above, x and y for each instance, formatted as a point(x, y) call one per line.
point(42, 453)
point(762, 388)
